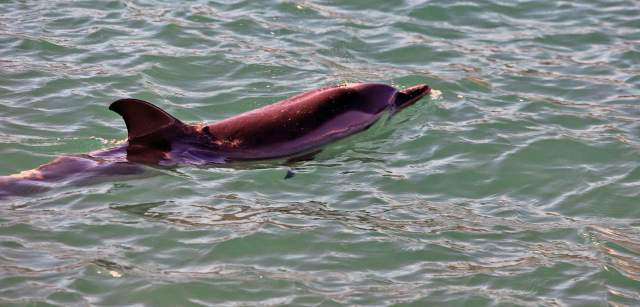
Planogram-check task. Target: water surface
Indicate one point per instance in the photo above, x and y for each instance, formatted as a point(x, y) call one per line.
point(519, 185)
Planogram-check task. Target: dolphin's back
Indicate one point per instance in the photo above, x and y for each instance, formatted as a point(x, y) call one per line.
point(304, 121)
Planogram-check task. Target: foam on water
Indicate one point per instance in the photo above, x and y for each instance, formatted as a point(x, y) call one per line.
point(516, 182)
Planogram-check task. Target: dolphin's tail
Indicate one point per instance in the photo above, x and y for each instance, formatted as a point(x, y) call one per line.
point(409, 96)
point(64, 170)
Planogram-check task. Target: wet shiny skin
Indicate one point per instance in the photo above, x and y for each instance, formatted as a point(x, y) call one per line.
point(518, 186)
point(291, 127)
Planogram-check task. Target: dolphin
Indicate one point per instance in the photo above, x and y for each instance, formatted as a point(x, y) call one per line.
point(295, 127)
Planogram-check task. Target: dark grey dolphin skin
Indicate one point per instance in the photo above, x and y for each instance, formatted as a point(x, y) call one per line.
point(290, 128)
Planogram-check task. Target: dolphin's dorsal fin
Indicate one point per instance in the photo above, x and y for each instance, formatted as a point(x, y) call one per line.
point(144, 120)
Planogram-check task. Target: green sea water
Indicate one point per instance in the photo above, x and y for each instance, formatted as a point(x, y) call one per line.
point(519, 184)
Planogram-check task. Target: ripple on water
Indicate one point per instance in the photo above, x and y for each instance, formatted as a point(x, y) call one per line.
point(517, 184)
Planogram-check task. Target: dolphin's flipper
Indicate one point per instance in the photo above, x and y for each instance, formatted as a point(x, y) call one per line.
point(293, 160)
point(146, 123)
point(290, 174)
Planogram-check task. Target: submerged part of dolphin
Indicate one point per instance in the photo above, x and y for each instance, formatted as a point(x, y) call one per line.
point(293, 127)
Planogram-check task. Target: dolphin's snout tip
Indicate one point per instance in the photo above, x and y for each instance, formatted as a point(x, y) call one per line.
point(410, 95)
point(417, 90)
